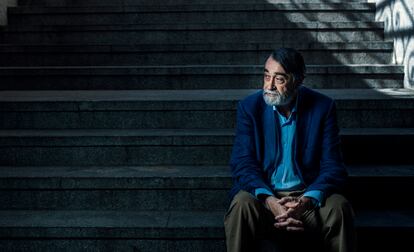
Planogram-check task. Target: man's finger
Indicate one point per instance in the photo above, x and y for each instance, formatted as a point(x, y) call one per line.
point(293, 221)
point(288, 223)
point(289, 213)
point(286, 199)
point(295, 229)
point(281, 217)
point(291, 204)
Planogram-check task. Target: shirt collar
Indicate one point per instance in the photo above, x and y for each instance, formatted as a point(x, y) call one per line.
point(292, 117)
point(294, 106)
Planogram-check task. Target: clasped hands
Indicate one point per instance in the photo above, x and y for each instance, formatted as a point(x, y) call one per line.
point(288, 211)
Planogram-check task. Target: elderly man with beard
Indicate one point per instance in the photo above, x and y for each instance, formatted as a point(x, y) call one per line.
point(287, 167)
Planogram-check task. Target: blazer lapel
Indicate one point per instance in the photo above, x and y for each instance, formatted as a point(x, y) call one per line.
point(270, 132)
point(303, 124)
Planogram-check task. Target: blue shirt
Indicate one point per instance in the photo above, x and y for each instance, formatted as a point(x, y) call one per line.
point(287, 176)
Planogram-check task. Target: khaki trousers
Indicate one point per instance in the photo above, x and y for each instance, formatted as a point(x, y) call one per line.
point(249, 227)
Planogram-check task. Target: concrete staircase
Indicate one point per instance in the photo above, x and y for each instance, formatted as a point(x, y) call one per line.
point(117, 117)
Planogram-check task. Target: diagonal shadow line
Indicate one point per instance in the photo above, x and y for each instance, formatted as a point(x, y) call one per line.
point(354, 15)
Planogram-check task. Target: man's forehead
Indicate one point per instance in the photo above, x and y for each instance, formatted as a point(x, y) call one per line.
point(274, 73)
point(272, 66)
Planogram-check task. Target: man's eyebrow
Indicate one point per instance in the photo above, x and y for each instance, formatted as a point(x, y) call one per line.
point(267, 71)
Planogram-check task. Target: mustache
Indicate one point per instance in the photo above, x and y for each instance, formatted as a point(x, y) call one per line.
point(267, 91)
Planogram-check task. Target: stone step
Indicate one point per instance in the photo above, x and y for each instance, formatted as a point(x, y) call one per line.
point(68, 3)
point(183, 109)
point(202, 54)
point(192, 77)
point(176, 147)
point(194, 13)
point(378, 230)
point(169, 187)
point(195, 33)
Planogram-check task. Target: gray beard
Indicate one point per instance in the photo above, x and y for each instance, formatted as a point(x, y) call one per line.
point(278, 99)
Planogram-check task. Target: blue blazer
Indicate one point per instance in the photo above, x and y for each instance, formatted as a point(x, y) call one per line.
point(316, 148)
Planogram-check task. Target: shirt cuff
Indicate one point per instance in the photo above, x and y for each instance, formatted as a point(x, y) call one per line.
point(316, 196)
point(264, 191)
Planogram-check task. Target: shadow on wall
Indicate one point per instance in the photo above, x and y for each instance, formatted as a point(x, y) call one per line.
point(3, 10)
point(398, 17)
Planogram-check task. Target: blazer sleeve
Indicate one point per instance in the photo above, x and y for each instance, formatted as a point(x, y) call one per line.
point(245, 167)
point(332, 174)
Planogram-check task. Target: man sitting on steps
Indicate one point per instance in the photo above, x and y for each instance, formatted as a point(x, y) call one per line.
point(287, 167)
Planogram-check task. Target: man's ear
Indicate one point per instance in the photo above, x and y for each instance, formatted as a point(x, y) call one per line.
point(297, 81)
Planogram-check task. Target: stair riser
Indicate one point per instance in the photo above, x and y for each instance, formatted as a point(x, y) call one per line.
point(132, 244)
point(191, 37)
point(76, 194)
point(127, 81)
point(135, 200)
point(104, 151)
point(184, 58)
point(377, 150)
point(183, 114)
point(161, 2)
point(370, 192)
point(192, 17)
point(190, 116)
point(381, 240)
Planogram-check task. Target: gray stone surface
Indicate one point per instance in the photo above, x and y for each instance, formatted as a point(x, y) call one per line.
point(109, 245)
point(189, 227)
point(18, 99)
point(165, 199)
point(170, 54)
point(223, 13)
point(163, 2)
point(112, 224)
point(208, 222)
point(174, 147)
point(196, 33)
point(168, 187)
point(210, 6)
point(192, 77)
point(179, 109)
point(116, 177)
point(151, 177)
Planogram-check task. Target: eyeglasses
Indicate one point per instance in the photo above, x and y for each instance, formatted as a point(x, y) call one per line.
point(279, 78)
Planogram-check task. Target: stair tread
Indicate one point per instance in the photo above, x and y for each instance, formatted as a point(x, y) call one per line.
point(193, 7)
point(171, 138)
point(153, 177)
point(175, 132)
point(313, 25)
point(205, 224)
point(173, 171)
point(186, 95)
point(198, 69)
point(167, 2)
point(357, 46)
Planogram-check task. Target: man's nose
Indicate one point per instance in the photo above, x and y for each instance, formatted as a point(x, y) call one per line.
point(273, 82)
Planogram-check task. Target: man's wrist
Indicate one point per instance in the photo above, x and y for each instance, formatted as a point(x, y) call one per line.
point(270, 200)
point(307, 202)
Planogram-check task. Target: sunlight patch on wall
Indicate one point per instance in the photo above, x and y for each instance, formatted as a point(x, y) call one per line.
point(398, 18)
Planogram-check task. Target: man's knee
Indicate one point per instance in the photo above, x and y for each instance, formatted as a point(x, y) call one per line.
point(243, 203)
point(338, 208)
